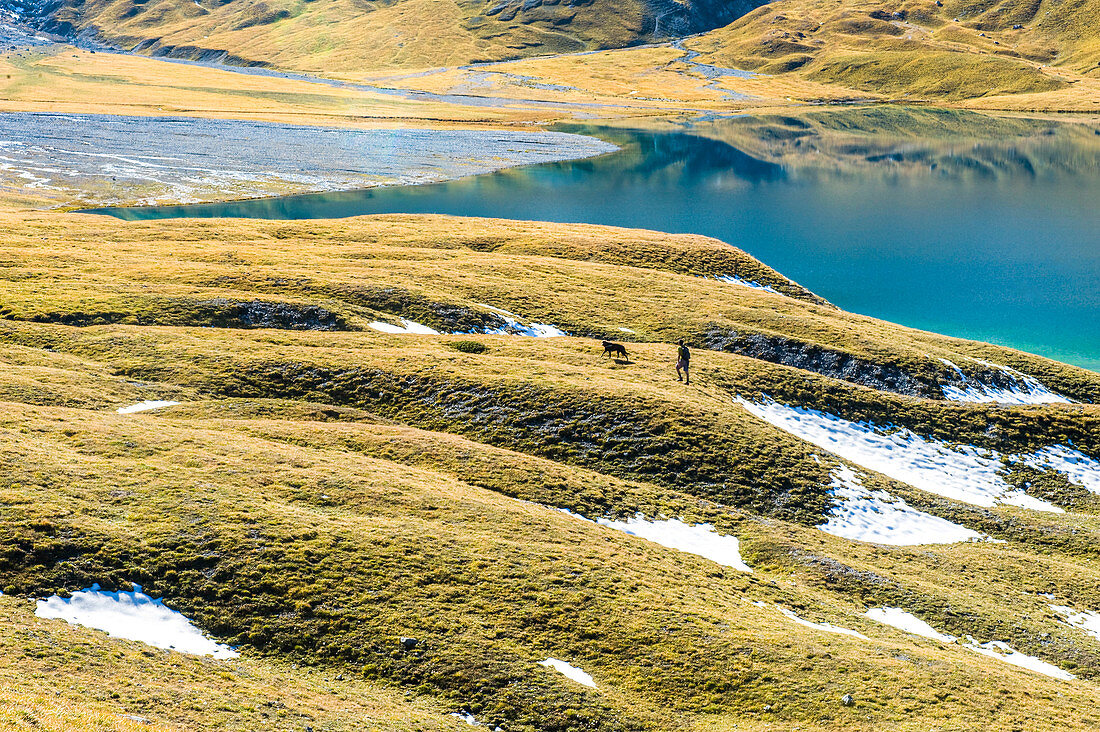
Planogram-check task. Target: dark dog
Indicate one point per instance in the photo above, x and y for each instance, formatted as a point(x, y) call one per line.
point(614, 349)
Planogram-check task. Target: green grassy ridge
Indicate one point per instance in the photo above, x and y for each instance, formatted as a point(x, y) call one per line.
point(216, 312)
point(989, 591)
point(587, 280)
point(261, 548)
point(1024, 633)
point(929, 74)
point(628, 434)
point(696, 664)
point(613, 433)
point(58, 676)
point(318, 305)
point(510, 473)
point(911, 51)
point(546, 483)
point(751, 691)
point(684, 254)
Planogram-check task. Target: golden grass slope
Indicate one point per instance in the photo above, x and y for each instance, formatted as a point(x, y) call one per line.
point(69, 80)
point(1045, 53)
point(321, 493)
point(346, 36)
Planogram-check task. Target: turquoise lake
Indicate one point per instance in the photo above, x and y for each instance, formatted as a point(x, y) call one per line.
point(974, 226)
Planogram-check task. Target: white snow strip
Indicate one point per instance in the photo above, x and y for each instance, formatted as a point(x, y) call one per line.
point(145, 406)
point(962, 474)
point(898, 618)
point(1075, 465)
point(570, 672)
point(880, 518)
point(134, 616)
point(1086, 620)
point(1025, 389)
point(700, 539)
point(467, 718)
point(516, 326)
point(1004, 652)
point(407, 327)
point(735, 280)
point(827, 627)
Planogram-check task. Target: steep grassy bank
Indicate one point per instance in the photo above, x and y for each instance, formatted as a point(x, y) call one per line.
point(325, 489)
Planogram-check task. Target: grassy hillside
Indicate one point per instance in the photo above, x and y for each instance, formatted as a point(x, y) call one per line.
point(921, 50)
point(354, 36)
point(324, 489)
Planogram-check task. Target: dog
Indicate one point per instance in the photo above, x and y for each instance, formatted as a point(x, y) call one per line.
point(614, 349)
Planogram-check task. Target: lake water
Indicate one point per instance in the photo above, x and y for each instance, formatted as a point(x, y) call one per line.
point(974, 226)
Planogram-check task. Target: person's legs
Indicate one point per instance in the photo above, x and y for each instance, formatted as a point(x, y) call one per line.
point(687, 376)
point(679, 365)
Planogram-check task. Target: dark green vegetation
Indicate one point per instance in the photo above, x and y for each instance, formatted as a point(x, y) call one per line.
point(325, 489)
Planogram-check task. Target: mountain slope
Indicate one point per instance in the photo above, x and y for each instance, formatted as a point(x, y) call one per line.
point(353, 36)
point(325, 488)
point(917, 50)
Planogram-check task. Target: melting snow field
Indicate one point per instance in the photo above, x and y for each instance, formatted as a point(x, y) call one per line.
point(963, 474)
point(898, 618)
point(880, 518)
point(1086, 620)
point(999, 650)
point(734, 280)
point(407, 327)
point(827, 627)
point(700, 539)
point(1004, 652)
point(516, 326)
point(1024, 390)
point(145, 406)
point(569, 671)
point(1075, 465)
point(134, 616)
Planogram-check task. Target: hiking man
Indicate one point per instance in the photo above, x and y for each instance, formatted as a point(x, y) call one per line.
point(683, 356)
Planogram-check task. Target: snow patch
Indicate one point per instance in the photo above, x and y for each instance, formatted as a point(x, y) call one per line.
point(569, 671)
point(700, 539)
point(1004, 652)
point(516, 326)
point(146, 406)
point(962, 474)
point(827, 627)
point(407, 327)
point(735, 280)
point(134, 616)
point(467, 718)
point(898, 618)
point(1078, 467)
point(880, 518)
point(1024, 390)
point(1086, 620)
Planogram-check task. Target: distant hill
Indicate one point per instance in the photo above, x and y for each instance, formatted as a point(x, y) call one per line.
point(932, 49)
point(350, 35)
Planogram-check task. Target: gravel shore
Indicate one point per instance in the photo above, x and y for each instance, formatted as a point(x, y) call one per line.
point(103, 160)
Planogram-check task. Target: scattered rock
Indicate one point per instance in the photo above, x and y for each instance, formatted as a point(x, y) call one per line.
point(408, 643)
point(847, 700)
